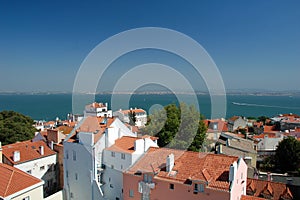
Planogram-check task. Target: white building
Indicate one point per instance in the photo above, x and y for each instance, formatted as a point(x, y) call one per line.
point(140, 116)
point(18, 185)
point(98, 110)
point(119, 157)
point(35, 158)
point(83, 167)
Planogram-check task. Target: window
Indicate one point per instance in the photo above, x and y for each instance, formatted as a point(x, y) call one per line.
point(123, 156)
point(201, 188)
point(29, 171)
point(26, 198)
point(71, 195)
point(113, 154)
point(67, 174)
point(131, 194)
point(196, 187)
point(74, 155)
point(42, 167)
point(67, 154)
point(121, 166)
point(171, 186)
point(76, 176)
point(112, 166)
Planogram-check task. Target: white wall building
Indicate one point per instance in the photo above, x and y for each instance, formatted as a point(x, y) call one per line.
point(140, 116)
point(35, 158)
point(83, 169)
point(98, 110)
point(119, 157)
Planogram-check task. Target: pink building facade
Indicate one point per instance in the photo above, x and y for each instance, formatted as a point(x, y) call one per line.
point(174, 174)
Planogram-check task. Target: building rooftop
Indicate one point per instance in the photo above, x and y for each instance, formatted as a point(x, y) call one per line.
point(244, 197)
point(268, 189)
point(233, 141)
point(125, 144)
point(92, 124)
point(136, 110)
point(188, 166)
point(14, 180)
point(28, 151)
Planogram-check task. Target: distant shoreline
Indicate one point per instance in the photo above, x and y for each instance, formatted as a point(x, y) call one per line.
point(239, 93)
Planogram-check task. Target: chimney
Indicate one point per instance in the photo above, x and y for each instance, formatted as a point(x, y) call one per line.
point(248, 160)
point(269, 176)
point(170, 162)
point(0, 152)
point(51, 145)
point(42, 150)
point(16, 156)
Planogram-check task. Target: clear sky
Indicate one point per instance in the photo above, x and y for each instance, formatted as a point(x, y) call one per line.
point(255, 44)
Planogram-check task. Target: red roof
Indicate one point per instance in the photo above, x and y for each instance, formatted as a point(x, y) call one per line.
point(138, 110)
point(28, 151)
point(244, 197)
point(201, 166)
point(274, 190)
point(14, 180)
point(123, 144)
point(94, 124)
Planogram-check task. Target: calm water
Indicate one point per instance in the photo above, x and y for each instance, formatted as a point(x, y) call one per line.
point(49, 107)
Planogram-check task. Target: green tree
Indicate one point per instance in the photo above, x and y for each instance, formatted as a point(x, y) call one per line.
point(262, 119)
point(179, 127)
point(287, 156)
point(15, 127)
point(132, 118)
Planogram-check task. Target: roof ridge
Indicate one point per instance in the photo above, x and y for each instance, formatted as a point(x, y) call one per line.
point(10, 179)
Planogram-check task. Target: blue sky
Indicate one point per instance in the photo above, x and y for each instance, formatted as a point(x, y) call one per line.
point(255, 44)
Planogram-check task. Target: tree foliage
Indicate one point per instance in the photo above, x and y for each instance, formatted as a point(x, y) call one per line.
point(132, 118)
point(15, 127)
point(287, 156)
point(178, 127)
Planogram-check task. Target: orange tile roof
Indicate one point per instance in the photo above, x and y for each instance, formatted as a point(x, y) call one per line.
point(93, 124)
point(222, 125)
point(244, 197)
point(138, 110)
point(261, 136)
point(233, 118)
point(14, 180)
point(274, 189)
point(64, 129)
point(201, 166)
point(124, 144)
point(28, 151)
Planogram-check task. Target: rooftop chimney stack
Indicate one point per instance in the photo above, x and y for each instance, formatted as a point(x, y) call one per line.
point(16, 156)
point(42, 150)
point(170, 162)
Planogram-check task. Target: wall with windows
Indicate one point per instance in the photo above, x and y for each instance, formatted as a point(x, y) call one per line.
point(78, 171)
point(43, 168)
point(166, 189)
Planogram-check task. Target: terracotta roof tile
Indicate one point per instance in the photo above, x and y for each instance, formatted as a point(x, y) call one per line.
point(268, 188)
point(93, 124)
point(138, 110)
point(13, 180)
point(244, 197)
point(211, 168)
point(28, 151)
point(123, 144)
